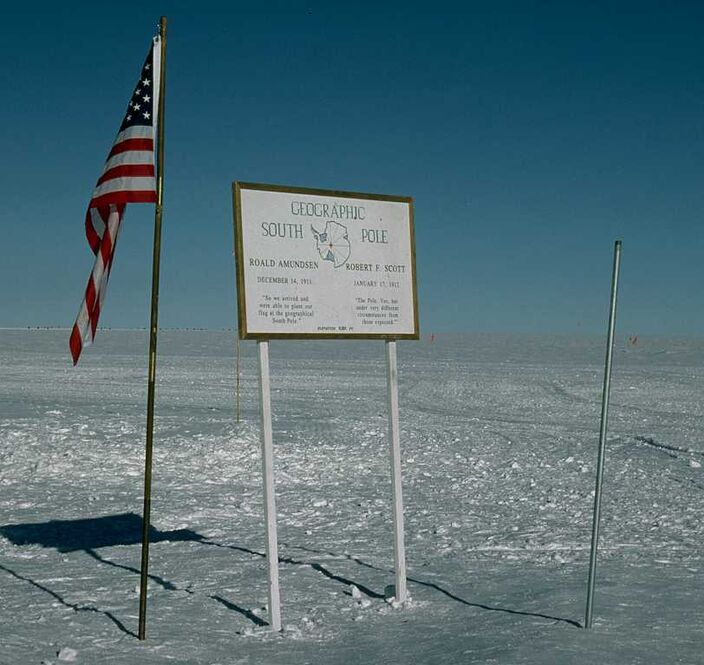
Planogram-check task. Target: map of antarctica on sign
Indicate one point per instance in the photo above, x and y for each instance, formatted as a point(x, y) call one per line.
point(313, 263)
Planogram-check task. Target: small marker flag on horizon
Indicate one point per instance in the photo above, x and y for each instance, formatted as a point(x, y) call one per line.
point(128, 177)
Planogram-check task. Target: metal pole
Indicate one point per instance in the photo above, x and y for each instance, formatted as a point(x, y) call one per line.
point(272, 546)
point(602, 435)
point(237, 387)
point(396, 490)
point(153, 328)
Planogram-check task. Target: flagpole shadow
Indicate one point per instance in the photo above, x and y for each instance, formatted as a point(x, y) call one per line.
point(74, 606)
point(169, 586)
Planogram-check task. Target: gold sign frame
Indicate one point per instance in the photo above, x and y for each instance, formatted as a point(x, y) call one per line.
point(238, 186)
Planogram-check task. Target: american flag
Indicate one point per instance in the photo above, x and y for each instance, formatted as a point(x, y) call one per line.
point(128, 177)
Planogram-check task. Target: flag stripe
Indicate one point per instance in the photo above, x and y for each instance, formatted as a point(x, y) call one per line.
point(135, 132)
point(127, 196)
point(127, 171)
point(75, 343)
point(131, 157)
point(124, 184)
point(93, 231)
point(132, 144)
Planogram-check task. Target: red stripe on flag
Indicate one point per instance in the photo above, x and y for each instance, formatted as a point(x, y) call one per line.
point(131, 144)
point(127, 170)
point(93, 237)
point(75, 344)
point(94, 316)
point(106, 250)
point(124, 196)
point(90, 294)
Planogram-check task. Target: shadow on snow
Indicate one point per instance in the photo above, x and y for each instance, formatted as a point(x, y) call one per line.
point(126, 529)
point(74, 606)
point(87, 535)
point(91, 533)
point(445, 592)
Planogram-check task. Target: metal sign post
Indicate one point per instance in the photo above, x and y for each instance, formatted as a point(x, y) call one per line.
point(602, 435)
point(396, 491)
point(272, 546)
point(237, 383)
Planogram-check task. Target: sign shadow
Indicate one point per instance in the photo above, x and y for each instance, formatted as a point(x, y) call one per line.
point(446, 592)
point(91, 533)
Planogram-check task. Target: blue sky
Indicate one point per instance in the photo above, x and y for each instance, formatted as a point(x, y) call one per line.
point(531, 135)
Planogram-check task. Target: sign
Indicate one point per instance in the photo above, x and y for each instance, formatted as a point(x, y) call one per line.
point(321, 263)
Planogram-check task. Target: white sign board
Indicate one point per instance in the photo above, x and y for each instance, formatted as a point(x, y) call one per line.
point(319, 263)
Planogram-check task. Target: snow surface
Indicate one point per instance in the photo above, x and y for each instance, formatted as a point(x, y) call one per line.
point(499, 438)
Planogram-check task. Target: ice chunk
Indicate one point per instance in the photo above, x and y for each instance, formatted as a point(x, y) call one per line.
point(67, 654)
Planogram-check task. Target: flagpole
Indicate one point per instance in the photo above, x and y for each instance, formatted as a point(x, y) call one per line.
point(153, 329)
point(602, 435)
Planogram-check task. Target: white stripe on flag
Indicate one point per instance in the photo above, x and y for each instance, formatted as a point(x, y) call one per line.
point(126, 184)
point(135, 132)
point(83, 325)
point(130, 157)
point(97, 221)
